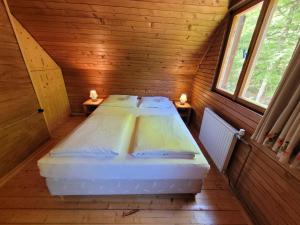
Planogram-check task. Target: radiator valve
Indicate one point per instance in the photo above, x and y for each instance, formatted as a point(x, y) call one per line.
point(241, 133)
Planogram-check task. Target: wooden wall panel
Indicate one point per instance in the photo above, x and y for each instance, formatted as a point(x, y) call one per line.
point(135, 47)
point(234, 2)
point(270, 191)
point(22, 129)
point(79, 82)
point(46, 77)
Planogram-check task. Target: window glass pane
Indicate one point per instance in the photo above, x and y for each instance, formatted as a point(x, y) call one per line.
point(241, 33)
point(275, 53)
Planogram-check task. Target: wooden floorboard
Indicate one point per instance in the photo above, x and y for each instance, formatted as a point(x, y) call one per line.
point(24, 199)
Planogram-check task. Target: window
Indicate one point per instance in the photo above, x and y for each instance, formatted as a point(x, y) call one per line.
point(262, 38)
point(243, 26)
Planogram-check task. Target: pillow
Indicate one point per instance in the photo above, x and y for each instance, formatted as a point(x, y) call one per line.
point(120, 101)
point(155, 102)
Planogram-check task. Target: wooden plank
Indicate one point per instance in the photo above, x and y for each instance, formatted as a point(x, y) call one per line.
point(46, 77)
point(115, 217)
point(155, 37)
point(93, 4)
point(124, 15)
point(79, 82)
point(22, 129)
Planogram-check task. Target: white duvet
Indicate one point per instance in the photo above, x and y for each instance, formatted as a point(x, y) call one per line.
point(100, 136)
point(162, 137)
point(142, 132)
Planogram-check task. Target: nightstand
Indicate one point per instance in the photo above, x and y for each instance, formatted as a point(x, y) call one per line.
point(89, 106)
point(185, 111)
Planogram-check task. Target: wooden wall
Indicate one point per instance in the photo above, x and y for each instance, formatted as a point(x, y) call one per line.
point(46, 77)
point(234, 2)
point(79, 82)
point(146, 47)
point(22, 129)
point(270, 191)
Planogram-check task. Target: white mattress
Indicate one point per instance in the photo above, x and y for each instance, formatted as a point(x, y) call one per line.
point(125, 166)
point(59, 186)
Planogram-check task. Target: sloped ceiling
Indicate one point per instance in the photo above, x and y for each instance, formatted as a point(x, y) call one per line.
point(122, 46)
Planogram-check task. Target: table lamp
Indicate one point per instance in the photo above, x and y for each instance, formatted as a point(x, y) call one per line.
point(183, 99)
point(93, 95)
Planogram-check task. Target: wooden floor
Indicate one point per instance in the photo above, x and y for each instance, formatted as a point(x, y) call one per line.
point(24, 199)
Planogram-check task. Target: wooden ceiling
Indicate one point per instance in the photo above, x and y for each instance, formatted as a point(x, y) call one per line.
point(119, 38)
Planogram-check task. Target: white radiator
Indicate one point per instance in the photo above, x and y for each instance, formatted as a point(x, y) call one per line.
point(218, 138)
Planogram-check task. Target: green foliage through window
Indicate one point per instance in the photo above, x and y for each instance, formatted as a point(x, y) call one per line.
point(242, 50)
point(275, 53)
point(240, 37)
point(267, 65)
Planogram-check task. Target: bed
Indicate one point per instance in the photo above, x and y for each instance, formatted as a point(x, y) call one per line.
point(126, 173)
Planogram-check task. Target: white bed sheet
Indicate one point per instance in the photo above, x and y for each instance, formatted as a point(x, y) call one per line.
point(100, 136)
point(162, 137)
point(168, 111)
point(138, 111)
point(125, 166)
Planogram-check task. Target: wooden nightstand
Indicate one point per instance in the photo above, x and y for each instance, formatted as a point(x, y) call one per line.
point(89, 106)
point(185, 111)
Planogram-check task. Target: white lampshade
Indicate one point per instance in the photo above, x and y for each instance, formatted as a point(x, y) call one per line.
point(183, 98)
point(93, 95)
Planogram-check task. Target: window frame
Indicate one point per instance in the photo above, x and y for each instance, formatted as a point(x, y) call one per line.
point(264, 16)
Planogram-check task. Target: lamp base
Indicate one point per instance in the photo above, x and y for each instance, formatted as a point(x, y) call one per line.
point(94, 100)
